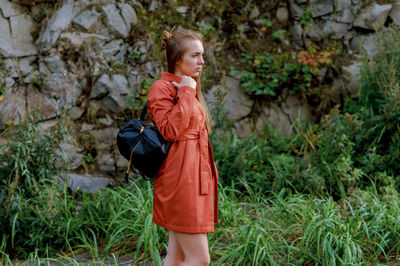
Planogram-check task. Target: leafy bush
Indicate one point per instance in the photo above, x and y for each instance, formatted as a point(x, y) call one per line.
point(269, 74)
point(31, 162)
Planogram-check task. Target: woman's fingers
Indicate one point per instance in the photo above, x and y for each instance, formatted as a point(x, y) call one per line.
point(185, 81)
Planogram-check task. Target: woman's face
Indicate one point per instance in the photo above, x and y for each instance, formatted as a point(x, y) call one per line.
point(192, 60)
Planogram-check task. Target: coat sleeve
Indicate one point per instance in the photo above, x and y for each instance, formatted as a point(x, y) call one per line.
point(171, 119)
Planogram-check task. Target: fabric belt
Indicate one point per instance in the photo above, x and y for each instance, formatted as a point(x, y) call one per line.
point(206, 165)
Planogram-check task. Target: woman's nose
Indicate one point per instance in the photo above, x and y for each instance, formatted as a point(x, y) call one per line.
point(201, 61)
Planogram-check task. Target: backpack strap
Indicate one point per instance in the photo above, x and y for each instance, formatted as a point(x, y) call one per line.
point(144, 110)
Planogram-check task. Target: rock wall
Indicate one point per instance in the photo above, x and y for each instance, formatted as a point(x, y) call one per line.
point(67, 62)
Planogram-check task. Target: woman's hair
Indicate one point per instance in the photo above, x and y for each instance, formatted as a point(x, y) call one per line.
point(174, 44)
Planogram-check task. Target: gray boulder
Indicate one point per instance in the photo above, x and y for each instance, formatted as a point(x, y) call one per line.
point(73, 157)
point(236, 103)
point(56, 24)
point(296, 9)
point(105, 139)
point(16, 38)
point(281, 117)
point(112, 91)
point(351, 76)
point(87, 19)
point(395, 12)
point(373, 16)
point(9, 9)
point(12, 107)
point(105, 162)
point(119, 18)
point(114, 50)
point(321, 7)
point(86, 182)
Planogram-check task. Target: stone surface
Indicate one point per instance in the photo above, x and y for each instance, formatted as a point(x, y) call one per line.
point(87, 19)
point(341, 5)
point(101, 88)
point(114, 50)
point(154, 5)
point(121, 162)
point(345, 16)
point(77, 39)
point(105, 138)
point(115, 100)
point(372, 17)
point(296, 10)
point(281, 118)
point(243, 128)
point(366, 42)
point(321, 7)
point(86, 182)
point(26, 66)
point(74, 158)
point(56, 24)
point(395, 12)
point(55, 64)
point(12, 67)
point(236, 102)
point(112, 91)
point(75, 112)
point(65, 89)
point(128, 14)
point(282, 14)
point(182, 9)
point(105, 162)
point(16, 38)
point(55, 95)
point(106, 121)
point(12, 107)
point(9, 9)
point(255, 12)
point(47, 106)
point(115, 21)
point(86, 127)
point(296, 33)
point(351, 76)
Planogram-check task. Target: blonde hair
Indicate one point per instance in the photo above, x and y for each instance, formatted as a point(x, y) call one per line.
point(174, 45)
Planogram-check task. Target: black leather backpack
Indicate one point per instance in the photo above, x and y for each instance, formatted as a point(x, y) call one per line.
point(143, 146)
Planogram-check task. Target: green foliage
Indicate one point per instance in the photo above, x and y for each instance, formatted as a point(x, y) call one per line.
point(269, 74)
point(31, 163)
point(279, 34)
point(340, 154)
point(307, 18)
point(32, 152)
point(138, 98)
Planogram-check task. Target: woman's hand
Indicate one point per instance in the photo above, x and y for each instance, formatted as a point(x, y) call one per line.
point(186, 81)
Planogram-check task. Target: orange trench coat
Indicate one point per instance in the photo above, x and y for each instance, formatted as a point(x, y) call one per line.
point(186, 187)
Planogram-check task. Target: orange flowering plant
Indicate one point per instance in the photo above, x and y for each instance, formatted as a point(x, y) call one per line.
point(315, 57)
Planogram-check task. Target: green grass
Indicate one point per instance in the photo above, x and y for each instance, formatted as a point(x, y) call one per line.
point(289, 229)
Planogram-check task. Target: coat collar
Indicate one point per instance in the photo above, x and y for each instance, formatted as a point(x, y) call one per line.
point(170, 77)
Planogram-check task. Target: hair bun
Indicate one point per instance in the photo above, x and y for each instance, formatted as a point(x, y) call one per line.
point(166, 36)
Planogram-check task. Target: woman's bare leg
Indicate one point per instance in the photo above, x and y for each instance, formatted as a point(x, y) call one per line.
point(175, 254)
point(194, 247)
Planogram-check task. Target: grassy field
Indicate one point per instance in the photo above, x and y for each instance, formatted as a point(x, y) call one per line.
point(284, 229)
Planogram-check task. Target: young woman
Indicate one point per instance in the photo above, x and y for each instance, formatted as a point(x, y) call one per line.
point(186, 187)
